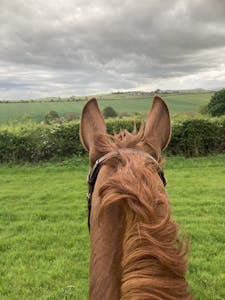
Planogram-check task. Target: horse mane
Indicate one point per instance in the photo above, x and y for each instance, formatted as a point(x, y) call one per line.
point(154, 252)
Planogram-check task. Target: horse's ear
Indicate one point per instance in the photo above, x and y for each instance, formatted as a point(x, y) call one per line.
point(91, 127)
point(158, 126)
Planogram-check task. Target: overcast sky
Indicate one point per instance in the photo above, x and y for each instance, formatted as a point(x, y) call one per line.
point(80, 47)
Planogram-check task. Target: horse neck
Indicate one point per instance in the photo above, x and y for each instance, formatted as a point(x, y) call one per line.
point(106, 252)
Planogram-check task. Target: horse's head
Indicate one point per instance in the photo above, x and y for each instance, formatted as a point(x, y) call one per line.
point(129, 152)
point(136, 252)
point(153, 138)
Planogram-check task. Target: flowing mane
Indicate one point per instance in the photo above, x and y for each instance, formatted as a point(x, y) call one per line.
point(154, 256)
point(137, 250)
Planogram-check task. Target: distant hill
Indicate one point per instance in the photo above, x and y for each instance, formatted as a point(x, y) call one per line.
point(125, 104)
point(159, 91)
point(100, 96)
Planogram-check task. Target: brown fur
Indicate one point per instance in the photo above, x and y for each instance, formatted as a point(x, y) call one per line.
point(137, 252)
point(154, 256)
point(125, 139)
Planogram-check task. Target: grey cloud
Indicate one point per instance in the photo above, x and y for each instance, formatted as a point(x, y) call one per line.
point(84, 46)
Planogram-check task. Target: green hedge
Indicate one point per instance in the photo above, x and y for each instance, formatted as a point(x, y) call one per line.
point(34, 143)
point(198, 138)
point(40, 142)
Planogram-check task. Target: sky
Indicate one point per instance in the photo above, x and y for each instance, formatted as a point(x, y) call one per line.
point(79, 47)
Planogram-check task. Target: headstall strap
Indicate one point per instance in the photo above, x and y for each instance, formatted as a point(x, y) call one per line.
point(91, 179)
point(93, 174)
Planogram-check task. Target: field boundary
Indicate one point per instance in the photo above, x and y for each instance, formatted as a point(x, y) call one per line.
point(36, 142)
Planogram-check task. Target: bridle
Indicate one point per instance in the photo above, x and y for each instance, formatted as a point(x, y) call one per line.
point(93, 174)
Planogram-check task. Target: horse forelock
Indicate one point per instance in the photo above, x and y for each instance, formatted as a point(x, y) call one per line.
point(124, 139)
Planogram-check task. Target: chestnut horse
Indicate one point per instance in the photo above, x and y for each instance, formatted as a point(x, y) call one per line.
point(136, 250)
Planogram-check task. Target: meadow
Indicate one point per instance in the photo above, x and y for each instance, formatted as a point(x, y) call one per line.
point(130, 104)
point(44, 240)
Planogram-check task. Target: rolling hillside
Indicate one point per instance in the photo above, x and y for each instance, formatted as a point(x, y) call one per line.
point(131, 104)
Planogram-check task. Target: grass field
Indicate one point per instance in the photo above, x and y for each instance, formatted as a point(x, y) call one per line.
point(121, 103)
point(44, 243)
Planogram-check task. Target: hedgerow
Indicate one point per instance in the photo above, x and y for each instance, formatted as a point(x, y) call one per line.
point(36, 142)
point(39, 142)
point(197, 138)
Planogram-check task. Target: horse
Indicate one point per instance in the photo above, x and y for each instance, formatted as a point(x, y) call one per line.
point(137, 251)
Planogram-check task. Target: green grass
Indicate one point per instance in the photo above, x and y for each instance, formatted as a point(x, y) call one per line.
point(196, 188)
point(121, 103)
point(44, 242)
point(44, 239)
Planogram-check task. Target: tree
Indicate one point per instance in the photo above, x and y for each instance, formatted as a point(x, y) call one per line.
point(109, 112)
point(72, 116)
point(216, 105)
point(52, 117)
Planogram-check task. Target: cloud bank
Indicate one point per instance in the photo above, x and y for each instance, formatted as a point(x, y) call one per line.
point(63, 48)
